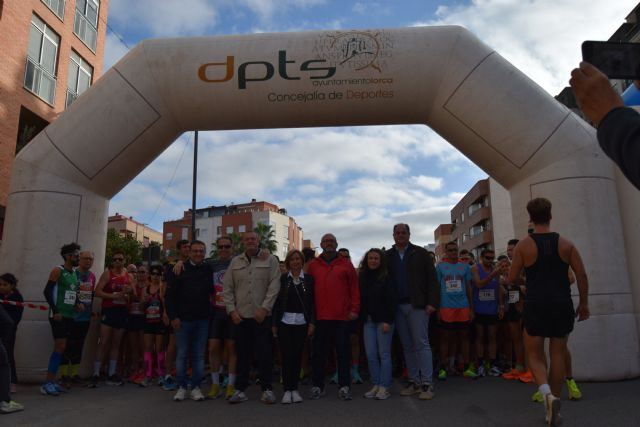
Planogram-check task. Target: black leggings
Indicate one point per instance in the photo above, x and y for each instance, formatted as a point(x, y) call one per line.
point(75, 343)
point(9, 343)
point(291, 339)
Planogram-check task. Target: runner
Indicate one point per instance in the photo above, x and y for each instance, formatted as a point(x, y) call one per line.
point(456, 310)
point(548, 311)
point(114, 287)
point(488, 308)
point(154, 327)
point(135, 324)
point(61, 294)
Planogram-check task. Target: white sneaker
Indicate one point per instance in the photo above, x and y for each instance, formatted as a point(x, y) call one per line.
point(382, 394)
point(552, 406)
point(371, 394)
point(287, 398)
point(196, 394)
point(180, 394)
point(295, 396)
point(10, 407)
point(268, 397)
point(238, 397)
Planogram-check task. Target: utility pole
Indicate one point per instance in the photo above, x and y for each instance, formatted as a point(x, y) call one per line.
point(195, 179)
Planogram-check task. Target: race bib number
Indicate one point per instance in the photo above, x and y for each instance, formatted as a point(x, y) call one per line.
point(453, 286)
point(514, 297)
point(85, 297)
point(152, 312)
point(487, 295)
point(69, 297)
point(135, 308)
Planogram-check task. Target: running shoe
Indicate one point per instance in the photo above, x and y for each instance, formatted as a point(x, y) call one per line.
point(410, 390)
point(316, 393)
point(537, 397)
point(552, 406)
point(295, 396)
point(481, 371)
point(334, 378)
point(146, 382)
point(513, 374)
point(382, 394)
point(169, 383)
point(61, 388)
point(268, 397)
point(49, 389)
point(426, 392)
point(574, 391)
point(180, 394)
point(238, 397)
point(287, 398)
point(495, 371)
point(526, 377)
point(214, 391)
point(10, 407)
point(371, 394)
point(344, 393)
point(355, 375)
point(93, 381)
point(230, 389)
point(470, 373)
point(442, 374)
point(114, 380)
point(160, 381)
point(196, 394)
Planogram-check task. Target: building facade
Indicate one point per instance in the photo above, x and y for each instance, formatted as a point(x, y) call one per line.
point(51, 51)
point(215, 221)
point(482, 219)
point(442, 236)
point(127, 226)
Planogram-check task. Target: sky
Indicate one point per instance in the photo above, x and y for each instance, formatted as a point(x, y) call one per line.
point(356, 181)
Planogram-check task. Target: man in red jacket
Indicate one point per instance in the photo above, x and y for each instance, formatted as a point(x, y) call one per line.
point(337, 296)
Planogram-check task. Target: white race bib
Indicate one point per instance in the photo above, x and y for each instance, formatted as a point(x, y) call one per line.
point(69, 297)
point(453, 286)
point(85, 297)
point(514, 297)
point(152, 312)
point(487, 295)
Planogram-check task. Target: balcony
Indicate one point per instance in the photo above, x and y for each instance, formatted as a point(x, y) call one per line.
point(39, 81)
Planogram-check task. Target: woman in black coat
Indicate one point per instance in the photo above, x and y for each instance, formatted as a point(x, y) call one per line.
point(377, 310)
point(294, 319)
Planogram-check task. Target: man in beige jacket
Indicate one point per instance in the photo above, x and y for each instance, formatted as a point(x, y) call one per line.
point(251, 286)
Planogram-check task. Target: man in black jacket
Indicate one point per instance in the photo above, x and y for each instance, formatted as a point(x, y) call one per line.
point(415, 283)
point(618, 126)
point(188, 301)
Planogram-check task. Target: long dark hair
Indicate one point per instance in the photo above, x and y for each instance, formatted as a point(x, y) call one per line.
point(381, 272)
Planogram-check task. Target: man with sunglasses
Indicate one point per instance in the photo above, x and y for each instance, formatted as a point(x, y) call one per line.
point(188, 306)
point(61, 294)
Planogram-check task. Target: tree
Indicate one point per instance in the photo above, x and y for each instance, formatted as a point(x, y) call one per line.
point(128, 245)
point(266, 237)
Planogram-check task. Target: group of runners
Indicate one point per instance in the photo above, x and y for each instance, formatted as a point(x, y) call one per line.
point(241, 311)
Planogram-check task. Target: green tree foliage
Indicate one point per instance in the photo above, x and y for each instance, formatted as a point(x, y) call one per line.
point(266, 237)
point(131, 248)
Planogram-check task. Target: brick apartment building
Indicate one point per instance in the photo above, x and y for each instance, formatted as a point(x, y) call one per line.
point(215, 221)
point(51, 51)
point(127, 226)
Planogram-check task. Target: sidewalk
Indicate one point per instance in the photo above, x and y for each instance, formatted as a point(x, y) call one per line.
point(487, 402)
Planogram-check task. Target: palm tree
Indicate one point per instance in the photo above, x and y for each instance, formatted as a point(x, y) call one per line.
point(266, 237)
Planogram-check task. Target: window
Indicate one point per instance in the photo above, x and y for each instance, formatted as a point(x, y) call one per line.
point(185, 233)
point(219, 230)
point(42, 57)
point(80, 74)
point(57, 6)
point(285, 230)
point(230, 229)
point(242, 228)
point(169, 236)
point(85, 25)
point(461, 217)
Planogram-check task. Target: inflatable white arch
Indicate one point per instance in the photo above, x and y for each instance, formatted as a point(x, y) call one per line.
point(440, 76)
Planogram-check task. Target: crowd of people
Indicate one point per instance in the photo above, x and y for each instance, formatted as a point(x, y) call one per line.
point(158, 323)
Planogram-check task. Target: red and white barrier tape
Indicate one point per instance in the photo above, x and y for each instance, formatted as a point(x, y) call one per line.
point(24, 304)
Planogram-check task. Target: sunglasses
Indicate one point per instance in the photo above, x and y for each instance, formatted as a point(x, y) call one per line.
point(224, 247)
point(118, 259)
point(489, 258)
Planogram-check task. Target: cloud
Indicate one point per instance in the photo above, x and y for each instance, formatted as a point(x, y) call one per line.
point(542, 38)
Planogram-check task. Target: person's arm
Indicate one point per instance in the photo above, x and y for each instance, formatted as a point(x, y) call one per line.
point(433, 286)
point(593, 91)
point(228, 294)
point(481, 283)
point(517, 263)
point(389, 314)
point(17, 297)
point(619, 138)
point(6, 323)
point(170, 298)
point(354, 292)
point(469, 289)
point(102, 282)
point(49, 288)
point(575, 261)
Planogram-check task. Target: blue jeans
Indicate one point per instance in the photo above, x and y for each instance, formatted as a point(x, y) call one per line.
point(412, 325)
point(377, 345)
point(191, 339)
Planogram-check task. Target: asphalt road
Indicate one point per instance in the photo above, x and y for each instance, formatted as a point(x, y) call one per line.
point(458, 402)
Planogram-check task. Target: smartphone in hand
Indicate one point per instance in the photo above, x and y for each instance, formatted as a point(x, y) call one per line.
point(616, 60)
